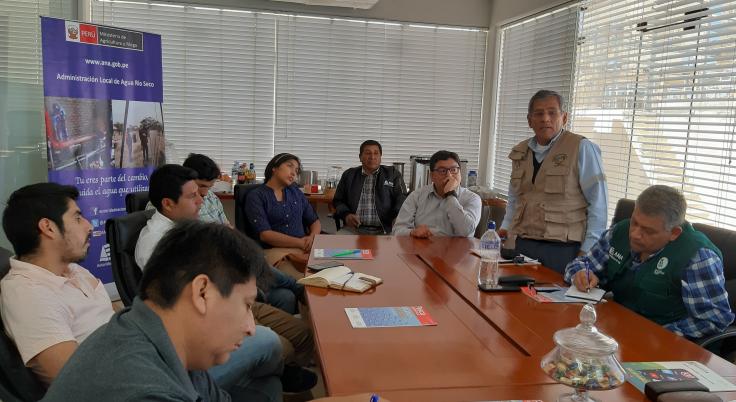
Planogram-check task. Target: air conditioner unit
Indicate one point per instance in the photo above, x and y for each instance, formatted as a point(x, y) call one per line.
point(364, 4)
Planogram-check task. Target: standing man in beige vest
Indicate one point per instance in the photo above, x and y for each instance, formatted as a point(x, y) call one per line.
point(558, 199)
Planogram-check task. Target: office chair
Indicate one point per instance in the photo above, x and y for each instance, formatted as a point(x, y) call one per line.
point(17, 382)
point(122, 235)
point(241, 220)
point(136, 201)
point(624, 210)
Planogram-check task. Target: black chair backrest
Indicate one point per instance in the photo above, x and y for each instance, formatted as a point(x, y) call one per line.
point(624, 210)
point(122, 235)
point(17, 382)
point(241, 220)
point(136, 201)
point(725, 240)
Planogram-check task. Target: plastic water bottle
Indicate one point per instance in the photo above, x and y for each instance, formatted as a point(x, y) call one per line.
point(490, 251)
point(472, 178)
point(234, 172)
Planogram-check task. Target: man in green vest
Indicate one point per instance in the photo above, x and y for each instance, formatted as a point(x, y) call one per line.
point(659, 266)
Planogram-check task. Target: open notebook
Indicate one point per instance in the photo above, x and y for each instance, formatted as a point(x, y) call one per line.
point(342, 278)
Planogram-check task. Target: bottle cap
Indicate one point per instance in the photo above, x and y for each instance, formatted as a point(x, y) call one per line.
point(492, 225)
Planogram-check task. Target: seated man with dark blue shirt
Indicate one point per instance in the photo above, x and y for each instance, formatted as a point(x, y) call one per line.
point(657, 265)
point(279, 212)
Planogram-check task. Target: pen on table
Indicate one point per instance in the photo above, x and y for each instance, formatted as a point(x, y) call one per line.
point(344, 253)
point(374, 398)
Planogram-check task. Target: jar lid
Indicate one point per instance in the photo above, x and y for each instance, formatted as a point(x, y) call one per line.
point(585, 337)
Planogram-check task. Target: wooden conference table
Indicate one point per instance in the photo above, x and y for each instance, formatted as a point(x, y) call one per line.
point(486, 346)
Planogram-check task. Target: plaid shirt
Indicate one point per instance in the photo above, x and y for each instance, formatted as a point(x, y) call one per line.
point(212, 210)
point(366, 206)
point(703, 288)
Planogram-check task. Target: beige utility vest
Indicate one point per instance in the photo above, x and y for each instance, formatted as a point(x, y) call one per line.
point(553, 207)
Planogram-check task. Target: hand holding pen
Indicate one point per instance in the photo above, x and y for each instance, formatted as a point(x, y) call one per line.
point(585, 279)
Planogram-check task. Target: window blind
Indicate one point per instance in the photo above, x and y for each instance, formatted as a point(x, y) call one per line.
point(536, 53)
point(655, 87)
point(415, 89)
point(218, 68)
point(246, 85)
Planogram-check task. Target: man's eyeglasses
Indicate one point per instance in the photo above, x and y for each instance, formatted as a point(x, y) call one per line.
point(451, 170)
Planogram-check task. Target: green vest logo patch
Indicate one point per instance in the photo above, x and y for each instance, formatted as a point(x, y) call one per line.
point(615, 255)
point(661, 265)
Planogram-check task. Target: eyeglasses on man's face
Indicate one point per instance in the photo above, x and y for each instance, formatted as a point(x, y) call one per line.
point(444, 171)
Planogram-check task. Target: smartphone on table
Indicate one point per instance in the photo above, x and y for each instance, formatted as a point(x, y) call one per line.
point(324, 265)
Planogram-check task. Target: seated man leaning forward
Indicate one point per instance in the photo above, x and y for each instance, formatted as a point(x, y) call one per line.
point(442, 209)
point(369, 197)
point(174, 192)
point(659, 266)
point(193, 311)
point(50, 305)
point(281, 215)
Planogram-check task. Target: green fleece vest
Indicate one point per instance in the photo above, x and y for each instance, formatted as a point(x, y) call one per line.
point(654, 289)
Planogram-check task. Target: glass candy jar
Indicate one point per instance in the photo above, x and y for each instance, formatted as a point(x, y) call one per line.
point(584, 359)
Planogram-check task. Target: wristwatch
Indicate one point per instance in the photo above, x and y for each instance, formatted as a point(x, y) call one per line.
point(451, 193)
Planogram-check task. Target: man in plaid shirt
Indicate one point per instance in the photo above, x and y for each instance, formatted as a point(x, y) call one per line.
point(659, 266)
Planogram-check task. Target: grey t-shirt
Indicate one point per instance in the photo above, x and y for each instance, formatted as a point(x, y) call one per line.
point(131, 358)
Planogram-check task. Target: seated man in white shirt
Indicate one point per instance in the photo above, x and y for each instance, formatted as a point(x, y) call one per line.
point(442, 209)
point(174, 192)
point(50, 304)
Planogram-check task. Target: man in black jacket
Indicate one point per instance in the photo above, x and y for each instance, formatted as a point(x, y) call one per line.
point(369, 196)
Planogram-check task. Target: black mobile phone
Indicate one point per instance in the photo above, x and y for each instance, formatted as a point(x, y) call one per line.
point(499, 288)
point(324, 265)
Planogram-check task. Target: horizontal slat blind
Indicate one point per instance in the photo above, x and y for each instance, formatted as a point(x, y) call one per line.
point(655, 87)
point(246, 85)
point(536, 53)
point(218, 76)
point(415, 89)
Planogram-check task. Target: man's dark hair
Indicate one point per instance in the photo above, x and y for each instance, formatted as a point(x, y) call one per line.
point(279, 160)
point(166, 182)
point(229, 258)
point(544, 94)
point(205, 167)
point(441, 156)
point(28, 205)
point(371, 142)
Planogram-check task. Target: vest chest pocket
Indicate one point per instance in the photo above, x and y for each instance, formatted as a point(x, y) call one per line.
point(517, 176)
point(555, 179)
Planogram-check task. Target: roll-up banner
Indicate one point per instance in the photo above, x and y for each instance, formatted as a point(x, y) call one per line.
point(103, 92)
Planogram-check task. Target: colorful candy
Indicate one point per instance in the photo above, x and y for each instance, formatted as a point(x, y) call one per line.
point(591, 374)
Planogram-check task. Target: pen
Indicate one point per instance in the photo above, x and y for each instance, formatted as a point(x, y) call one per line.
point(374, 398)
point(587, 275)
point(344, 253)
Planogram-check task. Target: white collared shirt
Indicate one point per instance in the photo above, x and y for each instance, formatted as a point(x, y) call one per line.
point(41, 309)
point(449, 216)
point(150, 235)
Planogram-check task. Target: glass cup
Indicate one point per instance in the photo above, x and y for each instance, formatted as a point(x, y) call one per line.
point(488, 273)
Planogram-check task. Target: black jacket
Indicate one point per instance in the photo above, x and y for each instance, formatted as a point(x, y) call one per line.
point(390, 194)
